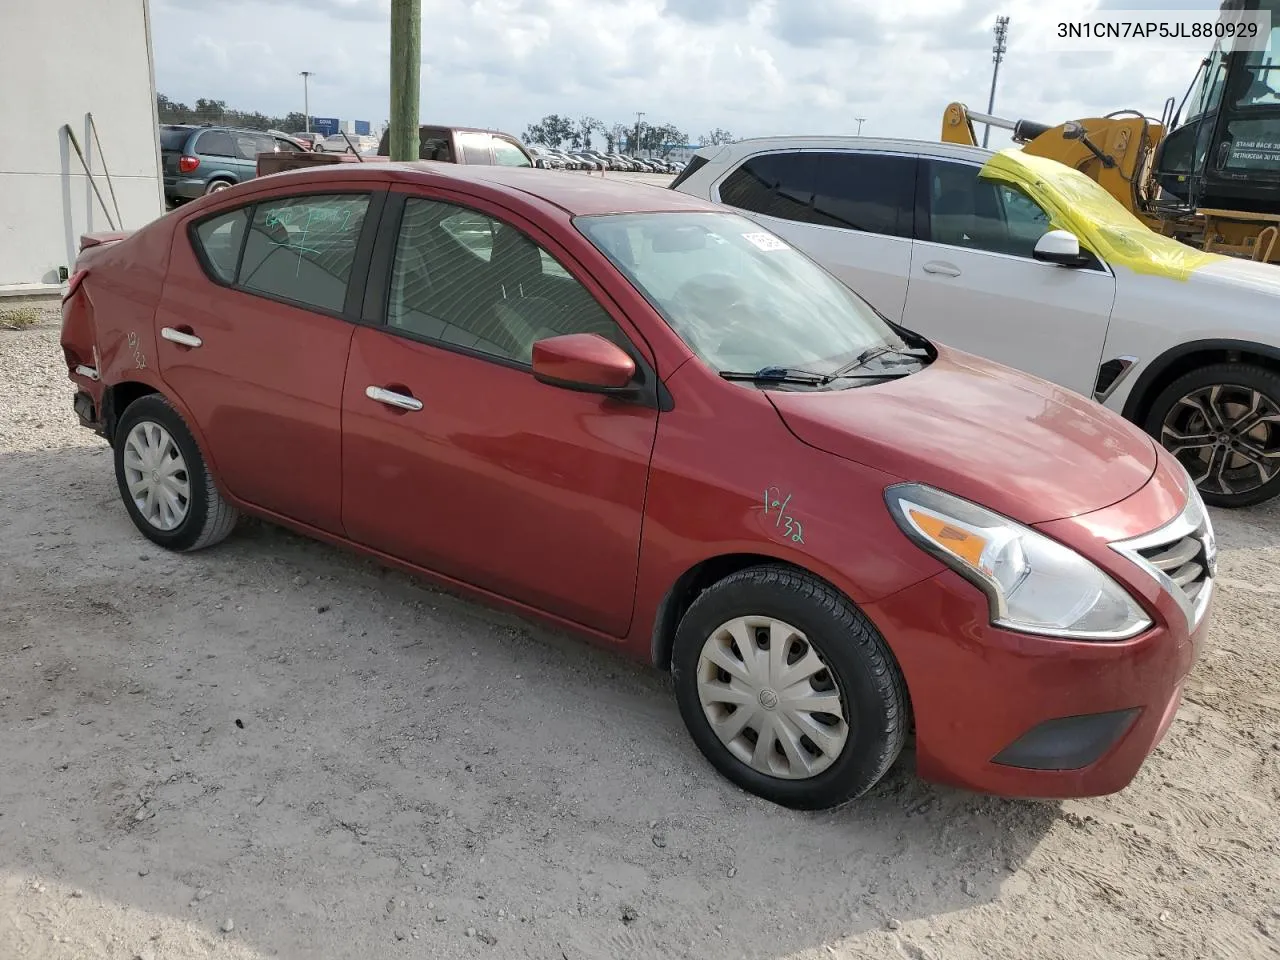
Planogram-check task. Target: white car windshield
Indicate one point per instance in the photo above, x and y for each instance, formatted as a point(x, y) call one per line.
point(739, 296)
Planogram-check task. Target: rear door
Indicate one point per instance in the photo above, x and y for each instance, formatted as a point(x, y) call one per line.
point(217, 152)
point(853, 212)
point(976, 286)
point(255, 326)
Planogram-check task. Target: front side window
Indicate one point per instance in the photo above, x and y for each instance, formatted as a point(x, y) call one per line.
point(741, 298)
point(302, 249)
point(468, 280)
point(216, 143)
point(968, 211)
point(507, 154)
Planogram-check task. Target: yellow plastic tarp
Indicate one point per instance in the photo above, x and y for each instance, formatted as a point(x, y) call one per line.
point(1076, 203)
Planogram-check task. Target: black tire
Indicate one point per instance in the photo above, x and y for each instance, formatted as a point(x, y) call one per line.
point(1237, 379)
point(861, 666)
point(216, 186)
point(209, 518)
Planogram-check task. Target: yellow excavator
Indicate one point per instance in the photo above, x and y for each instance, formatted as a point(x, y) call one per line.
point(1207, 172)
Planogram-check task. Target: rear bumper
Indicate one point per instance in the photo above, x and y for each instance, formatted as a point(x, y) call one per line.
point(1022, 716)
point(184, 188)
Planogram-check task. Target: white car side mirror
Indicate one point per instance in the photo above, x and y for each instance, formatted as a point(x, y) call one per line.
point(1059, 246)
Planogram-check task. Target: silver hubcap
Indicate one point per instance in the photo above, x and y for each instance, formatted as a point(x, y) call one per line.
point(1228, 438)
point(771, 699)
point(156, 476)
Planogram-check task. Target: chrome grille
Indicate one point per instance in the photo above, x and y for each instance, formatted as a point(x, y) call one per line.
point(1182, 556)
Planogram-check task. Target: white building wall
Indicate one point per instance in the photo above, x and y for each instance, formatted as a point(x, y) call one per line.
point(59, 61)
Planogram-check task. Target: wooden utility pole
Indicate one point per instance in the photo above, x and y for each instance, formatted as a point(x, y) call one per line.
point(406, 76)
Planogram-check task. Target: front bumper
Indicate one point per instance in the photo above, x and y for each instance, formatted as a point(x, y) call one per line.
point(1022, 716)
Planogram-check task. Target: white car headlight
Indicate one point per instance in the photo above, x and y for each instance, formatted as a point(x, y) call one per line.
point(1033, 584)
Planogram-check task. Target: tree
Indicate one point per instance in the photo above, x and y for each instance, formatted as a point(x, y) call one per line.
point(216, 111)
point(614, 135)
point(662, 138)
point(715, 138)
point(551, 131)
point(581, 139)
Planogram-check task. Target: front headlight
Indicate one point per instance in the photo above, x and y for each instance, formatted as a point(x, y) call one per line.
point(1033, 584)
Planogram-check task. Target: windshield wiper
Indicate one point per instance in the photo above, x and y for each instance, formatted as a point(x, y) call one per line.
point(778, 375)
point(873, 353)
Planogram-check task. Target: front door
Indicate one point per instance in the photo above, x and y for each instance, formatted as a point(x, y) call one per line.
point(975, 286)
point(456, 459)
point(252, 338)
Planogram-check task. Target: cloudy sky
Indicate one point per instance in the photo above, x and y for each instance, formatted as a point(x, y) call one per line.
point(755, 67)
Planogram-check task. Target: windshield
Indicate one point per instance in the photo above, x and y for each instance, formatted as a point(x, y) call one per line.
point(741, 298)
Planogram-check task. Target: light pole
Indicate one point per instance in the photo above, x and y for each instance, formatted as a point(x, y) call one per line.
point(997, 55)
point(636, 145)
point(306, 101)
point(859, 120)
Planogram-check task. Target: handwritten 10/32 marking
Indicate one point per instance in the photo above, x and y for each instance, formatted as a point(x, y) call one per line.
point(775, 505)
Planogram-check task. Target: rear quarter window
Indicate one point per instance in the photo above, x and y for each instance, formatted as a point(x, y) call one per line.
point(694, 165)
point(218, 242)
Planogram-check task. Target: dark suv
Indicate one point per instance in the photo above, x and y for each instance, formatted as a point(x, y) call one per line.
point(466, 145)
point(200, 160)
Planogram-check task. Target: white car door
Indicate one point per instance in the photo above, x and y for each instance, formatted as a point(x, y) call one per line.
point(975, 285)
point(852, 212)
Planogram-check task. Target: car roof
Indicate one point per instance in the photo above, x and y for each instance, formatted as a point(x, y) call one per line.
point(930, 148)
point(577, 195)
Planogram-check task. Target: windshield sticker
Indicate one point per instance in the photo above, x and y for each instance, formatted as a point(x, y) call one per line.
point(776, 508)
point(764, 241)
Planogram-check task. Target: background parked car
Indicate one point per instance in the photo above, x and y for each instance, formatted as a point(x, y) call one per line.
point(545, 159)
point(465, 145)
point(309, 138)
point(969, 246)
point(200, 160)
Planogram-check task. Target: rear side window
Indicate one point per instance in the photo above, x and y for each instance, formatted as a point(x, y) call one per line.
point(249, 146)
point(219, 241)
point(776, 184)
point(694, 165)
point(475, 147)
point(302, 249)
point(216, 143)
point(865, 191)
point(857, 191)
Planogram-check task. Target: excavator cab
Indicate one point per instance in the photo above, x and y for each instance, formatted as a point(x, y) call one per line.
point(1225, 152)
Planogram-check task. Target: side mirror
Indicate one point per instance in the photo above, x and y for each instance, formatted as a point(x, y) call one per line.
point(583, 361)
point(1061, 247)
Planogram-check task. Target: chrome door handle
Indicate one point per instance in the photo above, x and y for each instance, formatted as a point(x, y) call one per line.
point(393, 399)
point(944, 269)
point(177, 336)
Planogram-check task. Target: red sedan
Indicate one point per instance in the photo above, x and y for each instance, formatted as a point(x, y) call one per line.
point(650, 421)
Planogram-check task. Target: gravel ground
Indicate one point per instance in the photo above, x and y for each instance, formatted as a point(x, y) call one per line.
point(275, 749)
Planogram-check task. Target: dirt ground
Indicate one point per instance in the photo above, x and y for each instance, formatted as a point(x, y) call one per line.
point(274, 749)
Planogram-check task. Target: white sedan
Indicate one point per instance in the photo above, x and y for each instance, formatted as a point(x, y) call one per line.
point(1030, 263)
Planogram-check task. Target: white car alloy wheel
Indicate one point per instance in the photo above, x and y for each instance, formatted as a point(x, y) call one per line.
point(156, 476)
point(771, 699)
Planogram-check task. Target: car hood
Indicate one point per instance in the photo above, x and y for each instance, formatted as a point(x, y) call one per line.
point(1239, 273)
point(1009, 441)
